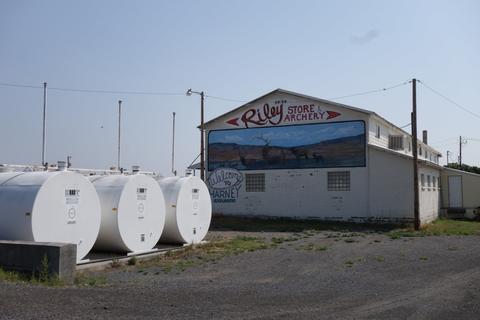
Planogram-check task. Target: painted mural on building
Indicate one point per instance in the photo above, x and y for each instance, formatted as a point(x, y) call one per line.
point(319, 145)
point(224, 184)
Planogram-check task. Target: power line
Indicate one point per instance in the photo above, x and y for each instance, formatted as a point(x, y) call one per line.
point(449, 100)
point(472, 139)
point(372, 91)
point(94, 90)
point(154, 93)
point(446, 145)
point(448, 139)
point(19, 85)
point(225, 99)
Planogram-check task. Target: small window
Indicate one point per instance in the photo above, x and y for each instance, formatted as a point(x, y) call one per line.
point(409, 145)
point(255, 182)
point(395, 142)
point(338, 181)
point(428, 182)
point(434, 182)
point(378, 132)
point(422, 180)
point(420, 151)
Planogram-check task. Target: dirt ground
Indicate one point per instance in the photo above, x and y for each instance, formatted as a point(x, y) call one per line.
point(321, 274)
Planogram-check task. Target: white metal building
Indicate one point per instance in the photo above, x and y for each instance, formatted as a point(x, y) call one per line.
point(286, 154)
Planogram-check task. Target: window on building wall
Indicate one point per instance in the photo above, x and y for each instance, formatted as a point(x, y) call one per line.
point(434, 182)
point(420, 151)
point(395, 142)
point(377, 134)
point(338, 181)
point(426, 154)
point(409, 145)
point(255, 182)
point(422, 180)
point(428, 182)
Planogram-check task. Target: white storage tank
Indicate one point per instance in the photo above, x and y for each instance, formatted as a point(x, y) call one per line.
point(189, 209)
point(44, 206)
point(133, 212)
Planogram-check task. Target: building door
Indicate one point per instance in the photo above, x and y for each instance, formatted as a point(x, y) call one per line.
point(455, 198)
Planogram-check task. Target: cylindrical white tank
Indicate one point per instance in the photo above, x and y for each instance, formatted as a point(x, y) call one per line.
point(49, 207)
point(133, 212)
point(189, 209)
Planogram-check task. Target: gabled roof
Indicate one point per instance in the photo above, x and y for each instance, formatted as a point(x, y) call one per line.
point(341, 105)
point(293, 94)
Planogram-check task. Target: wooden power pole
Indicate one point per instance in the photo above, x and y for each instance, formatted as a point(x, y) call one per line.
point(460, 151)
point(416, 201)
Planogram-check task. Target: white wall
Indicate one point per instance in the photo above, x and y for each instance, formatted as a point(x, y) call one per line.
point(429, 196)
point(470, 188)
point(390, 186)
point(391, 191)
point(301, 193)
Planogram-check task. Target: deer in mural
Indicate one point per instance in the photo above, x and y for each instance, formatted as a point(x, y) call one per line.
point(300, 153)
point(243, 157)
point(270, 154)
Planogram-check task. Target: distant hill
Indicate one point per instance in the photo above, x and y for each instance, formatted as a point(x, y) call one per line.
point(329, 152)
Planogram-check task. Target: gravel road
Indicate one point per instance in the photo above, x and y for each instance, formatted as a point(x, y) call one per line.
point(349, 276)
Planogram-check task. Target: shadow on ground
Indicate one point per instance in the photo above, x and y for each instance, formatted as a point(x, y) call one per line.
point(229, 223)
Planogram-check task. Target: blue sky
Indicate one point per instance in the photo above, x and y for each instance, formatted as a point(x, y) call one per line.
point(288, 136)
point(233, 49)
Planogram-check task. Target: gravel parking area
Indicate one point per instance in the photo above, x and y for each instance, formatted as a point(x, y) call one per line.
point(300, 274)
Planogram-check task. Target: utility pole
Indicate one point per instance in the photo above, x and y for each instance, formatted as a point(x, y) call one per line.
point(119, 125)
point(202, 140)
point(460, 143)
point(202, 131)
point(448, 156)
point(416, 201)
point(460, 152)
point(44, 121)
point(173, 146)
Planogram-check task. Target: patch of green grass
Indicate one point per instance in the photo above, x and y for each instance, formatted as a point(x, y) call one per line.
point(280, 240)
point(349, 263)
point(423, 258)
point(312, 247)
point(191, 256)
point(380, 258)
point(440, 227)
point(115, 263)
point(90, 280)
point(40, 278)
point(132, 261)
point(12, 276)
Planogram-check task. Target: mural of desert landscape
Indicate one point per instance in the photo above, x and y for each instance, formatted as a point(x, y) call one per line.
point(324, 145)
